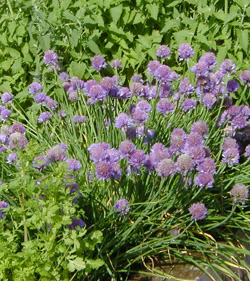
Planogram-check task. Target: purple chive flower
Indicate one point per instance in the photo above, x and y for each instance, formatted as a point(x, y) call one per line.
point(112, 155)
point(186, 87)
point(140, 116)
point(73, 164)
point(16, 127)
point(239, 122)
point(44, 117)
point(56, 153)
point(61, 113)
point(122, 120)
point(197, 153)
point(144, 105)
point(165, 106)
point(150, 134)
point(204, 179)
point(98, 151)
point(228, 66)
point(88, 85)
point(50, 103)
point(80, 119)
point(126, 147)
point(166, 167)
point(7, 97)
point(64, 76)
point(4, 140)
point(184, 163)
point(35, 88)
point(234, 110)
point(231, 156)
point(12, 157)
point(116, 63)
point(136, 89)
point(245, 77)
point(76, 223)
point(194, 139)
point(122, 206)
point(17, 140)
point(230, 143)
point(104, 170)
point(152, 66)
point(163, 52)
point(5, 128)
point(189, 104)
point(207, 166)
point(165, 90)
point(200, 69)
point(210, 59)
point(73, 96)
point(98, 62)
point(108, 83)
point(185, 51)
point(3, 205)
point(247, 151)
point(137, 158)
point(131, 132)
point(158, 153)
point(124, 93)
point(177, 140)
point(199, 127)
point(97, 93)
point(40, 98)
point(240, 193)
point(209, 100)
point(137, 78)
point(162, 73)
point(198, 211)
point(50, 57)
point(5, 113)
point(245, 110)
point(40, 162)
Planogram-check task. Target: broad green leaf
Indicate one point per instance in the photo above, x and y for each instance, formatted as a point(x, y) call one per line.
point(116, 13)
point(13, 52)
point(77, 69)
point(75, 36)
point(243, 39)
point(3, 39)
point(96, 236)
point(222, 53)
point(65, 4)
point(76, 264)
point(17, 65)
point(44, 42)
point(11, 26)
point(170, 24)
point(95, 263)
point(69, 16)
point(174, 3)
point(93, 47)
point(193, 2)
point(145, 41)
point(243, 3)
point(20, 30)
point(220, 15)
point(153, 9)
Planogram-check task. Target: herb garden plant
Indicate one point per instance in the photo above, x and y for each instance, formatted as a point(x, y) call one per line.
point(102, 174)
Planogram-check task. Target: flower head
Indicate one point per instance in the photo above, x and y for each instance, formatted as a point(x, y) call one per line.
point(198, 211)
point(50, 57)
point(185, 51)
point(7, 97)
point(122, 206)
point(98, 62)
point(44, 116)
point(76, 223)
point(116, 63)
point(35, 88)
point(240, 193)
point(163, 52)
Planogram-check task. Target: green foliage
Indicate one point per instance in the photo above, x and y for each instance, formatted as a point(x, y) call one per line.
point(130, 30)
point(35, 230)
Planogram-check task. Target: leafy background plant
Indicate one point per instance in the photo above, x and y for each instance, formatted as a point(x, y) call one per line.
point(130, 30)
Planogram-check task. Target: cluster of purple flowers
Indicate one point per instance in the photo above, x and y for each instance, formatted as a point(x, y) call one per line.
point(122, 206)
point(3, 205)
point(230, 153)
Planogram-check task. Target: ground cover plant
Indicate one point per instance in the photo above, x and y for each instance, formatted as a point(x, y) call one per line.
point(130, 30)
point(99, 175)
